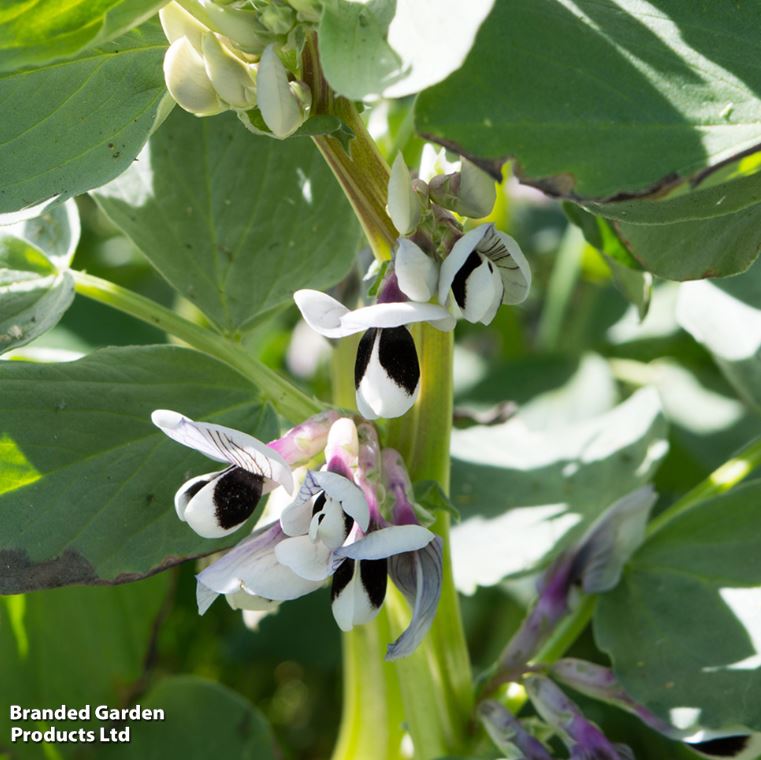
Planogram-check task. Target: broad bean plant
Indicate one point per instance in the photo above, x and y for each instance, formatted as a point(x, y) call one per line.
point(459, 300)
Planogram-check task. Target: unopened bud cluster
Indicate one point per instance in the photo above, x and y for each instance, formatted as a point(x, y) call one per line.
point(224, 56)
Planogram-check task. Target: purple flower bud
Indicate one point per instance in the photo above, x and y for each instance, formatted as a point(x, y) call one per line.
point(398, 484)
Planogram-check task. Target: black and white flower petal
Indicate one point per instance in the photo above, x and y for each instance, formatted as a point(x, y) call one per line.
point(358, 591)
point(332, 319)
point(223, 444)
point(252, 566)
point(386, 373)
point(418, 575)
point(297, 516)
point(471, 270)
point(217, 504)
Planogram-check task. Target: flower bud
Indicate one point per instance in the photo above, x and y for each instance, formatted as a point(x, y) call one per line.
point(237, 24)
point(404, 206)
point(234, 80)
point(477, 192)
point(278, 19)
point(416, 272)
point(187, 80)
point(283, 108)
point(342, 447)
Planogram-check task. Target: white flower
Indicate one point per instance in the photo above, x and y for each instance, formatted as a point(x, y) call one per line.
point(484, 269)
point(187, 80)
point(386, 371)
point(283, 104)
point(404, 206)
point(218, 503)
point(434, 161)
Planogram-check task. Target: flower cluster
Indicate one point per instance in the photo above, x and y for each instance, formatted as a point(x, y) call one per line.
point(470, 278)
point(231, 58)
point(333, 529)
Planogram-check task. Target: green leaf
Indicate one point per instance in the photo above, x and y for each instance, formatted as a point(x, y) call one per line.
point(694, 589)
point(696, 249)
point(395, 47)
point(49, 639)
point(202, 719)
point(525, 493)
point(87, 482)
point(235, 222)
point(38, 32)
point(597, 100)
point(725, 316)
point(35, 286)
point(79, 123)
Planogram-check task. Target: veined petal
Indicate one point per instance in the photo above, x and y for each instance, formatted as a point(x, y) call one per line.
point(418, 575)
point(358, 591)
point(416, 272)
point(253, 567)
point(308, 559)
point(187, 81)
point(220, 506)
point(279, 106)
point(224, 444)
point(513, 266)
point(322, 313)
point(388, 541)
point(386, 373)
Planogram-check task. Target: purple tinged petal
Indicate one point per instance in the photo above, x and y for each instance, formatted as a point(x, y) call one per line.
point(508, 734)
point(398, 484)
point(418, 575)
point(583, 738)
point(390, 291)
point(305, 441)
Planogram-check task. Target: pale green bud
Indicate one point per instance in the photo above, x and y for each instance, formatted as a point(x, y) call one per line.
point(404, 205)
point(477, 192)
point(188, 82)
point(234, 80)
point(283, 107)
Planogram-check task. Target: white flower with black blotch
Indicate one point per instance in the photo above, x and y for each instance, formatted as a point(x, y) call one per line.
point(387, 370)
point(360, 580)
point(218, 503)
point(321, 518)
point(484, 269)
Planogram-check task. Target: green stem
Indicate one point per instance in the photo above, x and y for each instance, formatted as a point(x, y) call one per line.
point(436, 680)
point(289, 401)
point(563, 279)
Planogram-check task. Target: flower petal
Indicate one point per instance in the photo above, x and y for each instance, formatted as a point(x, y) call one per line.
point(456, 258)
point(418, 575)
point(403, 205)
point(508, 734)
point(224, 444)
point(220, 506)
point(331, 525)
point(475, 287)
point(416, 272)
point(232, 78)
point(187, 81)
point(513, 266)
point(348, 494)
point(386, 373)
point(242, 600)
point(394, 314)
point(322, 313)
point(308, 559)
point(279, 106)
point(358, 591)
point(189, 489)
point(177, 22)
point(253, 567)
point(388, 541)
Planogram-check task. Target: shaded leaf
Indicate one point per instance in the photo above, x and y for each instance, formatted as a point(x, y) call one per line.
point(700, 568)
point(234, 221)
point(87, 482)
point(79, 123)
point(602, 100)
